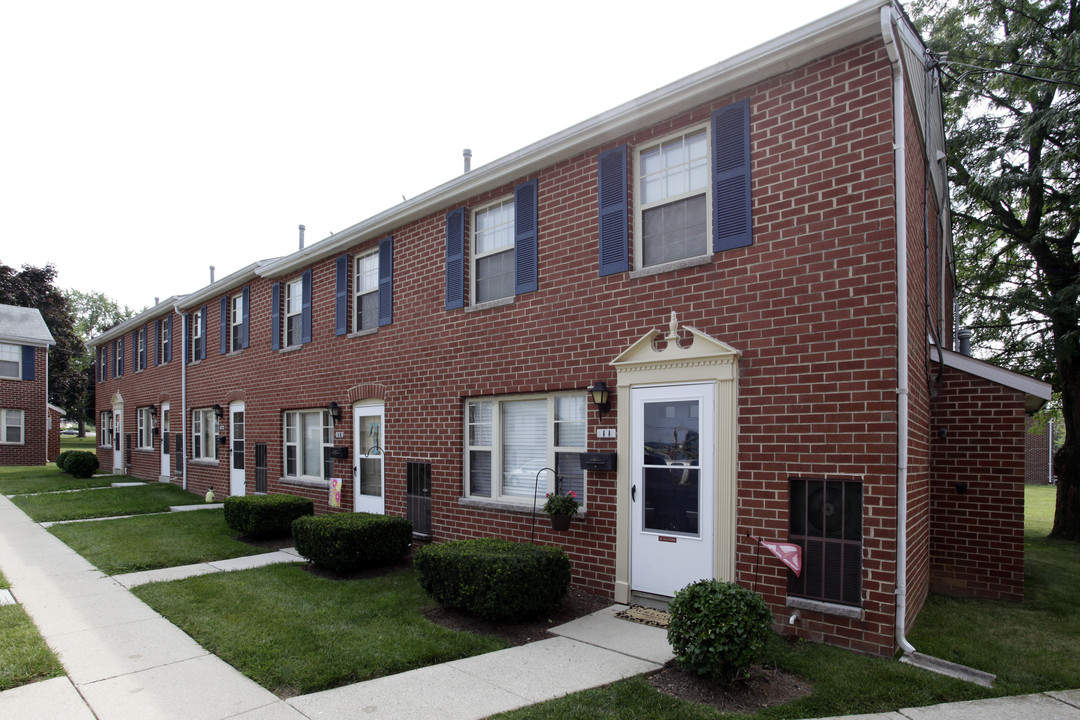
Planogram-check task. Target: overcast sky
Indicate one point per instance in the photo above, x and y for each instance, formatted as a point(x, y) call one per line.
point(142, 142)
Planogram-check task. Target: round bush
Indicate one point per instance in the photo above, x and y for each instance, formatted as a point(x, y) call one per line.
point(718, 628)
point(495, 579)
point(352, 541)
point(265, 516)
point(81, 464)
point(62, 458)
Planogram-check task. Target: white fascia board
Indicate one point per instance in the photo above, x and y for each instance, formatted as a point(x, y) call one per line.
point(845, 27)
point(1035, 389)
point(52, 407)
point(14, 339)
point(133, 322)
point(241, 276)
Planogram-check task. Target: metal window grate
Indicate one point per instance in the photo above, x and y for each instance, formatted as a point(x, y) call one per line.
point(179, 444)
point(826, 521)
point(418, 496)
point(260, 467)
point(127, 449)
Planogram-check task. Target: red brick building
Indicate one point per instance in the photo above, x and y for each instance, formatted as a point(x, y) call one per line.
point(29, 432)
point(741, 257)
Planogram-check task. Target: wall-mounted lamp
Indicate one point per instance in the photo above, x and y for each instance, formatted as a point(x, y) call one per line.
point(600, 394)
point(335, 411)
point(218, 411)
point(153, 411)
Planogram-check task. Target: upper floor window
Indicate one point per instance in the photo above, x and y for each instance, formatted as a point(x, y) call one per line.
point(12, 426)
point(673, 190)
point(493, 251)
point(509, 443)
point(103, 363)
point(294, 309)
point(165, 339)
point(198, 324)
point(307, 444)
point(366, 283)
point(236, 322)
point(203, 434)
point(11, 361)
point(141, 348)
point(118, 358)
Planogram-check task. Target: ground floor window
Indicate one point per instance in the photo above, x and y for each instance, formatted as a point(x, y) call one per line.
point(307, 444)
point(826, 521)
point(145, 425)
point(105, 429)
point(203, 434)
point(12, 422)
point(510, 441)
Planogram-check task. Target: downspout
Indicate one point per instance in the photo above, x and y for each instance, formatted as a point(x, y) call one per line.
point(902, 387)
point(183, 395)
point(48, 418)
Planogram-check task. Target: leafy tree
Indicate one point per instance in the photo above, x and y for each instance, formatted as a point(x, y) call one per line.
point(1012, 111)
point(33, 287)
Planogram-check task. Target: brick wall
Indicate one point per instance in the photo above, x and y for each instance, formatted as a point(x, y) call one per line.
point(977, 489)
point(1036, 454)
point(31, 397)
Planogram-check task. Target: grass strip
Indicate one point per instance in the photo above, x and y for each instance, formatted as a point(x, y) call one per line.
point(107, 502)
point(155, 541)
point(294, 632)
point(24, 656)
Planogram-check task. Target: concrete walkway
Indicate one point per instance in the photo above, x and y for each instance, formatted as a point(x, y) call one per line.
point(124, 661)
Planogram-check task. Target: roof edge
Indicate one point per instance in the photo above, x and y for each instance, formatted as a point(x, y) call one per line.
point(1037, 391)
point(132, 322)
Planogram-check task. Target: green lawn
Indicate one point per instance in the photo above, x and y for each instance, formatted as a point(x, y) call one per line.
point(24, 656)
point(44, 478)
point(108, 502)
point(154, 541)
point(73, 442)
point(294, 632)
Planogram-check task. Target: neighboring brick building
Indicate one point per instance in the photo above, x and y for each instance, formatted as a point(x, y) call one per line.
point(25, 421)
point(741, 257)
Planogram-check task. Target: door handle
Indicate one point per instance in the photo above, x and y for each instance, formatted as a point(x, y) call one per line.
point(633, 493)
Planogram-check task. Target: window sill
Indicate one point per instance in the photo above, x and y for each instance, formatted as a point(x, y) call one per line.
point(291, 348)
point(671, 266)
point(206, 463)
point(826, 608)
point(510, 507)
point(305, 482)
point(363, 333)
point(144, 450)
point(234, 353)
point(490, 304)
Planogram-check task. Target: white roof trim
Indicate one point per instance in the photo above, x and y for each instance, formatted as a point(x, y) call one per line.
point(988, 371)
point(226, 283)
point(62, 411)
point(133, 322)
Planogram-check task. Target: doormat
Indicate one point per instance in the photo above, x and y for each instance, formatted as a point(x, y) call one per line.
point(645, 616)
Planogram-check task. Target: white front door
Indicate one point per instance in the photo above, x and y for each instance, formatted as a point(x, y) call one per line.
point(163, 430)
point(118, 443)
point(237, 478)
point(368, 439)
point(672, 490)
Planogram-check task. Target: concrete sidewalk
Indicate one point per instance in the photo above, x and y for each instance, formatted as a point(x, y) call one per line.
point(124, 661)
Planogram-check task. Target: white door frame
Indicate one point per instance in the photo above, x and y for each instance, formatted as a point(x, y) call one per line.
point(118, 441)
point(163, 431)
point(368, 454)
point(237, 450)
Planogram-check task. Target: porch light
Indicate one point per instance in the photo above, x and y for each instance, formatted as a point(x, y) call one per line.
point(600, 394)
point(153, 411)
point(218, 412)
point(335, 411)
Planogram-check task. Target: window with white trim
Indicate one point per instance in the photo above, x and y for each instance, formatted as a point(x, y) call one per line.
point(509, 442)
point(492, 252)
point(203, 434)
point(236, 322)
point(196, 333)
point(163, 341)
point(307, 444)
point(294, 313)
point(13, 427)
point(11, 361)
point(145, 428)
point(141, 340)
point(671, 217)
point(103, 365)
point(366, 284)
point(118, 357)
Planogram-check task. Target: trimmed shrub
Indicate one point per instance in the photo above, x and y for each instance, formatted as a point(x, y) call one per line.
point(718, 628)
point(81, 464)
point(495, 579)
point(352, 541)
point(63, 457)
point(266, 516)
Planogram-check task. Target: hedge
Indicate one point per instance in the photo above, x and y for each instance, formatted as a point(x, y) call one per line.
point(352, 541)
point(265, 516)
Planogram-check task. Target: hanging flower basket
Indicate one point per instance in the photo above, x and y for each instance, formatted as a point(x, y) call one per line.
point(561, 522)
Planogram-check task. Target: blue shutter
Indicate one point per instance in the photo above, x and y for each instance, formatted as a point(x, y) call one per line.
point(154, 343)
point(612, 202)
point(525, 237)
point(224, 325)
point(275, 316)
point(341, 295)
point(455, 259)
point(28, 362)
point(305, 320)
point(245, 327)
point(169, 341)
point(202, 333)
point(732, 226)
point(386, 280)
point(187, 338)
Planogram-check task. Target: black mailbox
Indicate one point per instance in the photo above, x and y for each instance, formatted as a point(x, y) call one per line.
point(339, 453)
point(603, 462)
point(222, 439)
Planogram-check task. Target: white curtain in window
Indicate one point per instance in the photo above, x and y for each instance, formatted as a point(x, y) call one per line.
point(524, 432)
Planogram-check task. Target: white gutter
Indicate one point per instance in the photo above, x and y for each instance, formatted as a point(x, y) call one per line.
point(902, 341)
point(47, 418)
point(183, 394)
